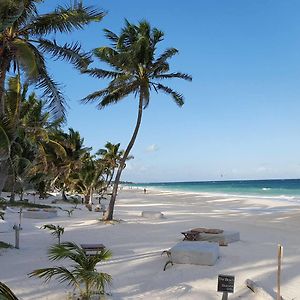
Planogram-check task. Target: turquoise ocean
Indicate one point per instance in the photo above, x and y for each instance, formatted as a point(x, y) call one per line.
point(276, 188)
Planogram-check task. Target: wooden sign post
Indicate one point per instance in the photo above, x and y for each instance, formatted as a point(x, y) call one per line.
point(280, 251)
point(225, 285)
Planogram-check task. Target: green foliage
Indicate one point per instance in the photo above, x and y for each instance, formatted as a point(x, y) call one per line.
point(6, 293)
point(69, 211)
point(4, 245)
point(57, 231)
point(24, 46)
point(82, 274)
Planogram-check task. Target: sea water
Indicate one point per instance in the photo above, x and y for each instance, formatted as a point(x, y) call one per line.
point(279, 188)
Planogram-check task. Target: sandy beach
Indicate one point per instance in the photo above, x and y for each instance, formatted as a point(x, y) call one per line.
point(136, 243)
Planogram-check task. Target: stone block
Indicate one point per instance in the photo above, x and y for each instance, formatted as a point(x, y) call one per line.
point(152, 214)
point(195, 252)
point(40, 214)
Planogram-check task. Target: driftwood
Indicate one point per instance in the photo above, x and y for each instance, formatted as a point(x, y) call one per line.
point(259, 290)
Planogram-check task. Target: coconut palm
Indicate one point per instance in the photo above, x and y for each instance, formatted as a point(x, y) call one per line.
point(24, 43)
point(88, 178)
point(135, 69)
point(82, 275)
point(110, 157)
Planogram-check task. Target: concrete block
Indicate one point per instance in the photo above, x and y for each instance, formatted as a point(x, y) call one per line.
point(195, 252)
point(152, 214)
point(40, 214)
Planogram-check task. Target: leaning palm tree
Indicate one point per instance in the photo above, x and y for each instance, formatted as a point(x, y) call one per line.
point(134, 69)
point(24, 42)
point(82, 275)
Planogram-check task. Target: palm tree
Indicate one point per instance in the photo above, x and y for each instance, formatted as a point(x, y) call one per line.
point(23, 45)
point(82, 274)
point(57, 231)
point(22, 48)
point(88, 178)
point(110, 157)
point(136, 70)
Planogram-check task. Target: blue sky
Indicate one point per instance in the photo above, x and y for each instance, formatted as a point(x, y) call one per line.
point(242, 112)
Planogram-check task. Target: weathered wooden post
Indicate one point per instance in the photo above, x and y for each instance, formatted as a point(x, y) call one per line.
point(20, 218)
point(17, 236)
point(280, 253)
point(225, 285)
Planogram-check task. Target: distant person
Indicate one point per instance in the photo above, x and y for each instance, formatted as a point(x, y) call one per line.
point(145, 191)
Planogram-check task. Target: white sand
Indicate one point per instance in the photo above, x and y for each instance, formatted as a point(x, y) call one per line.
point(137, 243)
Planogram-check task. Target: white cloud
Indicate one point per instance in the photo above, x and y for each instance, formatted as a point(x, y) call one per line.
point(152, 148)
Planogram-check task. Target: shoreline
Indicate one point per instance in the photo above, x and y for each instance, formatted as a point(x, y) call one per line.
point(295, 198)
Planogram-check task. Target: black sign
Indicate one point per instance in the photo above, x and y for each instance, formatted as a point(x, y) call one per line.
point(225, 283)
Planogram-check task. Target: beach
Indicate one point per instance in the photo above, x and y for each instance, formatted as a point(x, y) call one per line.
point(137, 243)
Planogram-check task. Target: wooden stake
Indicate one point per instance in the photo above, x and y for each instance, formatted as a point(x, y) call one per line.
point(280, 253)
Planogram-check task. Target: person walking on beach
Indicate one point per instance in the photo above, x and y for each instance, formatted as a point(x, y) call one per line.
point(145, 191)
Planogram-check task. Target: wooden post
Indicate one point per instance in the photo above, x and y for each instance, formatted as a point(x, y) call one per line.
point(17, 236)
point(225, 296)
point(280, 253)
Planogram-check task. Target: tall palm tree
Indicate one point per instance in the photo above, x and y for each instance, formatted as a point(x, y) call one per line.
point(82, 274)
point(134, 69)
point(24, 42)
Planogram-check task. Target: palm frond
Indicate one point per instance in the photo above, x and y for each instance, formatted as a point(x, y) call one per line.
point(26, 57)
point(168, 53)
point(64, 19)
point(117, 93)
point(62, 274)
point(51, 91)
point(175, 75)
point(6, 293)
point(95, 96)
point(100, 73)
point(177, 97)
point(68, 52)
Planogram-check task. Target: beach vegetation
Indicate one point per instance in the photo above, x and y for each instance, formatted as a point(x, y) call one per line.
point(4, 245)
point(82, 274)
point(134, 69)
point(26, 37)
point(56, 230)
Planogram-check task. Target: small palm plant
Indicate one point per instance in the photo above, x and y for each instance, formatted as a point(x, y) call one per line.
point(82, 275)
point(57, 231)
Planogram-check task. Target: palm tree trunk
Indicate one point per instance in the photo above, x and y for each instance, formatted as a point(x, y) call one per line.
point(91, 197)
point(3, 68)
point(110, 211)
point(63, 195)
point(3, 174)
